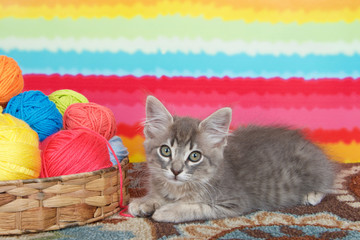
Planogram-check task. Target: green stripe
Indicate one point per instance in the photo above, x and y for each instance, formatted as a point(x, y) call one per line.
point(177, 26)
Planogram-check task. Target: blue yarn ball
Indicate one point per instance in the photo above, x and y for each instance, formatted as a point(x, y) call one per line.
point(119, 149)
point(35, 108)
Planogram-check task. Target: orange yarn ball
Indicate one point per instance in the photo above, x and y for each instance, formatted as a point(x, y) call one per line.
point(90, 115)
point(11, 79)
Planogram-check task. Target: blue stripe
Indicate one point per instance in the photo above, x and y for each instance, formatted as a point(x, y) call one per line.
point(138, 64)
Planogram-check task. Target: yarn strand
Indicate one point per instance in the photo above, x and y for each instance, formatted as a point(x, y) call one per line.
point(124, 208)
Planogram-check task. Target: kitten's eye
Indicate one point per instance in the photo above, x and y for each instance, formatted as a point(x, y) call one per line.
point(165, 151)
point(195, 156)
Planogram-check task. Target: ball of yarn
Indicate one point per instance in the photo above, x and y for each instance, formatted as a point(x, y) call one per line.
point(91, 115)
point(74, 151)
point(37, 110)
point(119, 149)
point(65, 97)
point(19, 149)
point(11, 79)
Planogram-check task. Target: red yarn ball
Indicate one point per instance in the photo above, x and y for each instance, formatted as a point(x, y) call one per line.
point(90, 115)
point(74, 151)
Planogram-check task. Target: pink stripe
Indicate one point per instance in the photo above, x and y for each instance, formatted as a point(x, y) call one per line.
point(304, 118)
point(264, 101)
point(230, 99)
point(114, 97)
point(128, 114)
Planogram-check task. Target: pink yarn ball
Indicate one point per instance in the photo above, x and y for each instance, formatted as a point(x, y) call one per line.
point(74, 151)
point(90, 115)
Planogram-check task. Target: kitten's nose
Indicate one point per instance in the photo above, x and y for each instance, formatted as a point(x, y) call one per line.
point(176, 172)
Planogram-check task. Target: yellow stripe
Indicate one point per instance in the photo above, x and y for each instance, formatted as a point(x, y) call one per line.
point(137, 157)
point(341, 152)
point(208, 11)
point(258, 4)
point(135, 148)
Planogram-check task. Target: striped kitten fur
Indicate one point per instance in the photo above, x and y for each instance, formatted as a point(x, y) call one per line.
point(198, 170)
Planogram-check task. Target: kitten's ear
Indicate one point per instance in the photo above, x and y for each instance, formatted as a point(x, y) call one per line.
point(158, 119)
point(216, 126)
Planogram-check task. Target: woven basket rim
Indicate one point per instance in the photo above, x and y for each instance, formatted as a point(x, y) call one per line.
point(65, 177)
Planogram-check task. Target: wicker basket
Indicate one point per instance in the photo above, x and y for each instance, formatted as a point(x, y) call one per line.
point(46, 204)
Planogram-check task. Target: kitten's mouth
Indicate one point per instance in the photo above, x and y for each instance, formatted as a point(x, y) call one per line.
point(175, 180)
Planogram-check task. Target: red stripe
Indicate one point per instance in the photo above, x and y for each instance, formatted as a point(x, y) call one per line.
point(129, 131)
point(333, 136)
point(317, 135)
point(223, 85)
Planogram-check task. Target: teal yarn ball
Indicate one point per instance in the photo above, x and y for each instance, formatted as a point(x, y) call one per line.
point(35, 108)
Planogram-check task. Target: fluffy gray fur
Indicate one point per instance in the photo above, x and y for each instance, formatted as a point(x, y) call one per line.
point(252, 168)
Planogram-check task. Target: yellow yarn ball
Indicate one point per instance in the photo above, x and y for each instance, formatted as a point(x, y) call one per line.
point(65, 97)
point(19, 149)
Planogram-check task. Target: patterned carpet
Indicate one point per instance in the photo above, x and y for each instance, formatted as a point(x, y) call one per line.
point(336, 217)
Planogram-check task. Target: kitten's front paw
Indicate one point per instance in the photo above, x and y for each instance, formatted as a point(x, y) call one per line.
point(139, 207)
point(313, 198)
point(166, 214)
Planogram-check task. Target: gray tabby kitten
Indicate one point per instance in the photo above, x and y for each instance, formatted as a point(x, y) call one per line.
point(200, 171)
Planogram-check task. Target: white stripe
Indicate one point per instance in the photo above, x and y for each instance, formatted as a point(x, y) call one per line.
point(354, 204)
point(345, 198)
point(161, 72)
point(175, 45)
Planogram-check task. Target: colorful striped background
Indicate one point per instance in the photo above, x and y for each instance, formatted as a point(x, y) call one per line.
point(293, 62)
